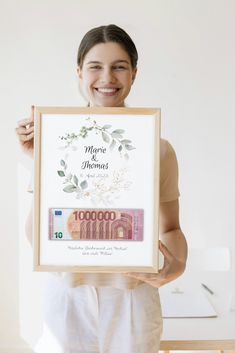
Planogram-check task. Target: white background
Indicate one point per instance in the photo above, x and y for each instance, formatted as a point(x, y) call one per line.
point(186, 67)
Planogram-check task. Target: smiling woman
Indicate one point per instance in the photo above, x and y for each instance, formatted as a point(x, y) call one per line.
point(111, 312)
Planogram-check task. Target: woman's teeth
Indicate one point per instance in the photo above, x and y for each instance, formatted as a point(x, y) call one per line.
point(107, 90)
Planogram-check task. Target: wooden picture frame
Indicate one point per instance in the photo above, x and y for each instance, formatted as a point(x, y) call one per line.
point(96, 189)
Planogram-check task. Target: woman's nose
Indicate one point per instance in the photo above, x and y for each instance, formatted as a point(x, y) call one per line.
point(107, 76)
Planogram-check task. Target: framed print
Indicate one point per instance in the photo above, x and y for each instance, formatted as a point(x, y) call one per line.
point(96, 189)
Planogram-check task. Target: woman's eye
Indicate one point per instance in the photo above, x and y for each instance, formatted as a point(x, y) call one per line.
point(95, 67)
point(119, 67)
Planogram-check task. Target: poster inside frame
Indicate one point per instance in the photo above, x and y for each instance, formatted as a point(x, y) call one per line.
point(96, 204)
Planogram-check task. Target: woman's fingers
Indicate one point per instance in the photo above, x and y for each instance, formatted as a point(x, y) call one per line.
point(25, 138)
point(165, 251)
point(25, 134)
point(142, 275)
point(153, 279)
point(26, 126)
point(29, 121)
point(24, 130)
point(25, 122)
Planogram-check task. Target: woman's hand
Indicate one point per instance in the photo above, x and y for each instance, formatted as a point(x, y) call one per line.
point(25, 132)
point(173, 247)
point(172, 269)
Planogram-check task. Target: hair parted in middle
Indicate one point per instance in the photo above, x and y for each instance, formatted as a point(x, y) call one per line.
point(105, 34)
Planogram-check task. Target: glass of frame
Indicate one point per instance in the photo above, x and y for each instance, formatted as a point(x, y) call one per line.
point(96, 188)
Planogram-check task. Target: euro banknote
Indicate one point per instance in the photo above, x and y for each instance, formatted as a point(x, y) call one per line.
point(95, 224)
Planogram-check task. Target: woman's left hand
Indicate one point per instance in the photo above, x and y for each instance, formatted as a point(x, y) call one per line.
point(171, 269)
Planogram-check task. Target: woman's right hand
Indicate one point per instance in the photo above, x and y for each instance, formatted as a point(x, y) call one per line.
point(25, 132)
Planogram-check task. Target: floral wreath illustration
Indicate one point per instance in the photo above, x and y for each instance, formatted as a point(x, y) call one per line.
point(100, 190)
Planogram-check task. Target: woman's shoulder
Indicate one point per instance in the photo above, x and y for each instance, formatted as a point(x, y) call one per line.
point(166, 149)
point(168, 172)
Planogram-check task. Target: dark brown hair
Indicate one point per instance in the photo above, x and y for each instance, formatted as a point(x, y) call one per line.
point(105, 34)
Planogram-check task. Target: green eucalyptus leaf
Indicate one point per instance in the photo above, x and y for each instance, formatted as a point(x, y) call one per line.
point(129, 147)
point(106, 127)
point(62, 163)
point(84, 184)
point(69, 188)
point(112, 145)
point(118, 131)
point(75, 180)
point(120, 148)
point(125, 142)
point(105, 137)
point(61, 173)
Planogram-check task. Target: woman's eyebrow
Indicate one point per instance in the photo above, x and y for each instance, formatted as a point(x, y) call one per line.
point(121, 61)
point(93, 62)
point(114, 62)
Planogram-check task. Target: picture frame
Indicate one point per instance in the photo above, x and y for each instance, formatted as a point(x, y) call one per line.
point(96, 189)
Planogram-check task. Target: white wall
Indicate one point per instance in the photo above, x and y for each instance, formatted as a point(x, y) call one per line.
point(186, 67)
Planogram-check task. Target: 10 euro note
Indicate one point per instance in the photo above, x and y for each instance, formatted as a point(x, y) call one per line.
point(95, 224)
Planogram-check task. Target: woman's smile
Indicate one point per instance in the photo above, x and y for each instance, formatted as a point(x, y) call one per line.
point(107, 91)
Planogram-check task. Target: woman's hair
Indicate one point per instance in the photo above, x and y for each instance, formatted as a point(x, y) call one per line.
point(105, 34)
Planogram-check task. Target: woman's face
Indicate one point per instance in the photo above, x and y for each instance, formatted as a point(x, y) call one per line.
point(106, 75)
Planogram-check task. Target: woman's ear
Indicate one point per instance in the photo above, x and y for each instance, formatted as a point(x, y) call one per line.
point(134, 74)
point(79, 72)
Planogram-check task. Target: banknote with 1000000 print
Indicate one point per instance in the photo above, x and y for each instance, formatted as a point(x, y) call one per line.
point(95, 224)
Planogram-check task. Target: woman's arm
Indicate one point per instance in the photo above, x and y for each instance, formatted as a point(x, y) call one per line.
point(173, 244)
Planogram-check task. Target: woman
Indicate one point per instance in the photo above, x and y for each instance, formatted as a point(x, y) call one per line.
point(112, 312)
